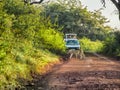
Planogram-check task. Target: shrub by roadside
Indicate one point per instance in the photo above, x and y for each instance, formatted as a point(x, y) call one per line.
point(91, 46)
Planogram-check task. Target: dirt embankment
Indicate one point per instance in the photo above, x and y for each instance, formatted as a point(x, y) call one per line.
point(93, 73)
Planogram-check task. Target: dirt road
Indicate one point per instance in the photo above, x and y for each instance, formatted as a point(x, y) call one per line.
point(93, 73)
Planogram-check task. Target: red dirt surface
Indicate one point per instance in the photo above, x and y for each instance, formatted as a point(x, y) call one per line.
point(93, 73)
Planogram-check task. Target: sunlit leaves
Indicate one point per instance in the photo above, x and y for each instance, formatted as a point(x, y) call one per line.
point(24, 31)
point(78, 20)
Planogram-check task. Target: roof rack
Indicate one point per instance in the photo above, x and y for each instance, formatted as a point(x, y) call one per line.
point(70, 36)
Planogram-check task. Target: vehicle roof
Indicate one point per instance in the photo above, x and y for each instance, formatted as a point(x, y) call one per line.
point(70, 34)
point(71, 39)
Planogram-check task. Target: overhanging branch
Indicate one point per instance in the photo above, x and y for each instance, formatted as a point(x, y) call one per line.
point(117, 4)
point(33, 1)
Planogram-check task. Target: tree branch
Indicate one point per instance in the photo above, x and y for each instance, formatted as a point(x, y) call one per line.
point(33, 1)
point(37, 2)
point(117, 4)
point(103, 2)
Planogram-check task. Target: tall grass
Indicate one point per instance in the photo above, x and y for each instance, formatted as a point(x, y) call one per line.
point(21, 65)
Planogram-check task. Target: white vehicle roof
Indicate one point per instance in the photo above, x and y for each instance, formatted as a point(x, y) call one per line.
point(70, 35)
point(71, 39)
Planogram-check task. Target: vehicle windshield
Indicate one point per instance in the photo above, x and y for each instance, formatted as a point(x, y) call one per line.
point(72, 42)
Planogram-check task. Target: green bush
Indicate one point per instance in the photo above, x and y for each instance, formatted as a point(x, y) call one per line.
point(19, 63)
point(51, 40)
point(112, 45)
point(109, 46)
point(25, 41)
point(91, 46)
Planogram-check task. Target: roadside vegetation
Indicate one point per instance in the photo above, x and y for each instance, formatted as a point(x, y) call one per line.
point(31, 37)
point(90, 27)
point(112, 44)
point(26, 42)
point(91, 46)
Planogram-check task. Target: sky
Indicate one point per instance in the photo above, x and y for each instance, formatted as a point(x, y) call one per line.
point(109, 12)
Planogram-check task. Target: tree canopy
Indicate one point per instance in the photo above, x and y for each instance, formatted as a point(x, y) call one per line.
point(77, 19)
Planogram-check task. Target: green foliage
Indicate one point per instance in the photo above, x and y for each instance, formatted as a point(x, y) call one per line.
point(17, 7)
point(109, 46)
point(27, 36)
point(24, 35)
point(75, 18)
point(91, 46)
point(112, 44)
point(51, 40)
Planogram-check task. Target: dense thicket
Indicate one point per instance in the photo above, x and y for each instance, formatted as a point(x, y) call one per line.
point(112, 44)
point(72, 17)
point(25, 38)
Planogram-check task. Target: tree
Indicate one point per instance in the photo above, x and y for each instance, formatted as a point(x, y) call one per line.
point(116, 3)
point(77, 19)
